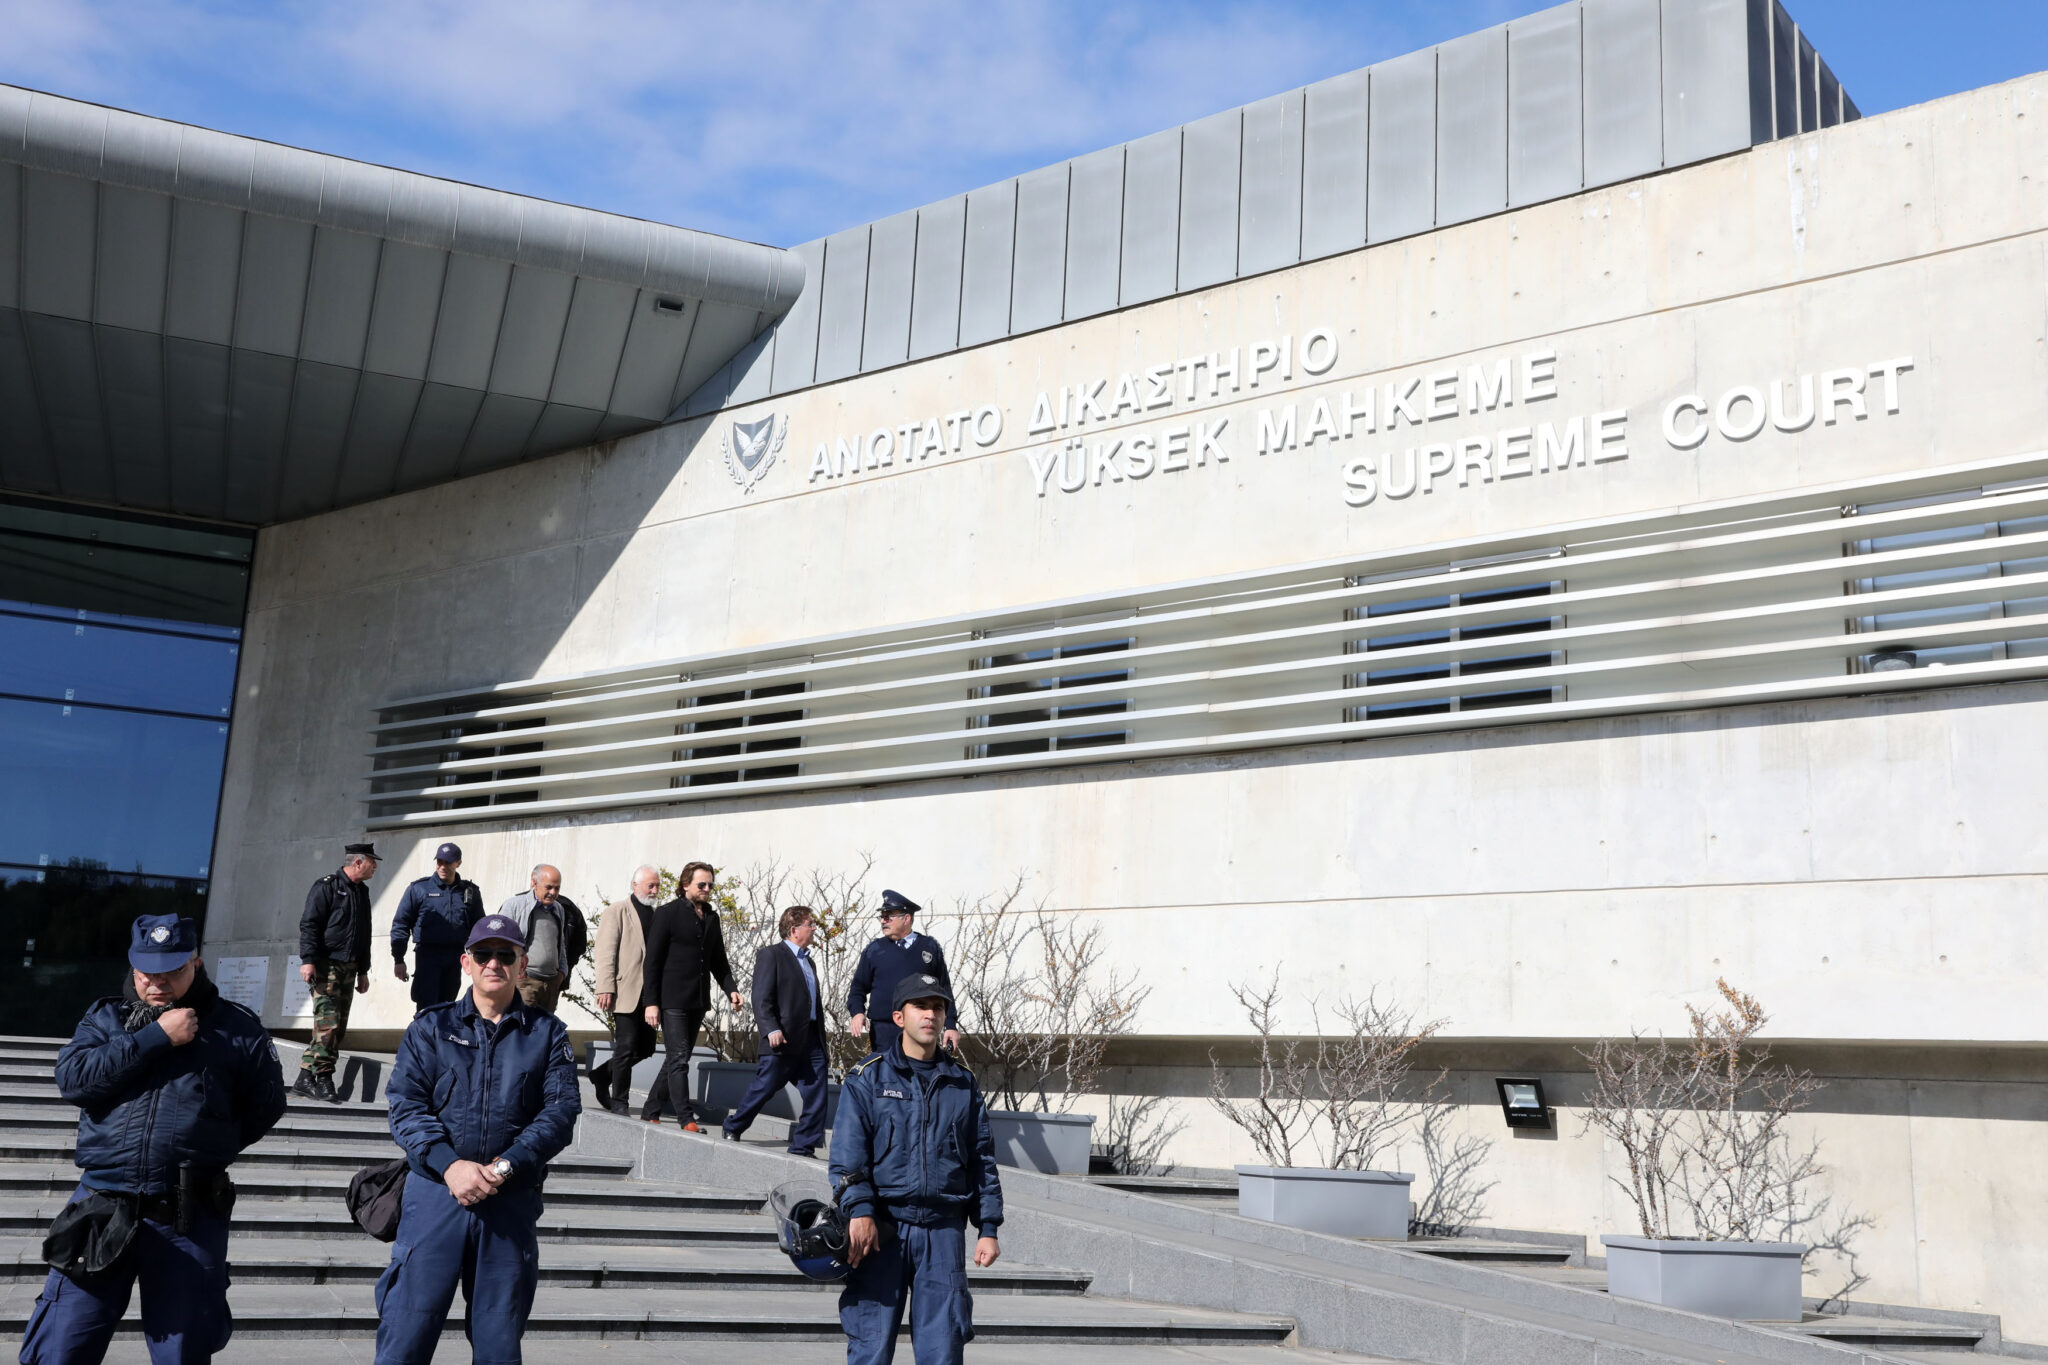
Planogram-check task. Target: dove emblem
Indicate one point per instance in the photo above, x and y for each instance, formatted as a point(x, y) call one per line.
point(751, 447)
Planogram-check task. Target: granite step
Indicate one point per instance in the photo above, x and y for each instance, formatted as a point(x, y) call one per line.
point(272, 1154)
point(42, 1093)
point(20, 1179)
point(28, 1216)
point(320, 1125)
point(360, 1351)
point(1486, 1252)
point(260, 1260)
point(1889, 1334)
point(301, 1311)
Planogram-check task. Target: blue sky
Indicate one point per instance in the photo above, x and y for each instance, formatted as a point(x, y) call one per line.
point(780, 122)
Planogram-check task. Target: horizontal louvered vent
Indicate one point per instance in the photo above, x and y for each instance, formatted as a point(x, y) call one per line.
point(1925, 580)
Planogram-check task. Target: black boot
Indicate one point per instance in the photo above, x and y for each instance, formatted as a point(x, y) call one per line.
point(323, 1089)
point(305, 1086)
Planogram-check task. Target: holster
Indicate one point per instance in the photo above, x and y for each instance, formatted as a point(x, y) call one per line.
point(89, 1235)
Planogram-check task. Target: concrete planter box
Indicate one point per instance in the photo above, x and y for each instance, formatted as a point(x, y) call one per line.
point(1053, 1144)
point(722, 1085)
point(1754, 1281)
point(1370, 1204)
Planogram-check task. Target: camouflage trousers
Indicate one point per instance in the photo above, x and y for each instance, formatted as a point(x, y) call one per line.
point(334, 989)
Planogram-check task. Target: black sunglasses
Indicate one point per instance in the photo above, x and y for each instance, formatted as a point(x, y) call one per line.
point(504, 957)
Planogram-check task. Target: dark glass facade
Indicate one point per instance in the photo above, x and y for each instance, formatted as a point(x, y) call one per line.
point(119, 639)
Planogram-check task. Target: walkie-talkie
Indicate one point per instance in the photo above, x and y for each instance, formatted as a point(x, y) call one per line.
point(188, 1194)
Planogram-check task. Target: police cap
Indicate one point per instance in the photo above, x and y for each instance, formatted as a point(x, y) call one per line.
point(363, 851)
point(162, 943)
point(896, 903)
point(496, 926)
point(919, 986)
point(447, 853)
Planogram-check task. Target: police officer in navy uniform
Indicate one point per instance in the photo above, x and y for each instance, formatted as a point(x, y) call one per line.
point(913, 1162)
point(901, 951)
point(482, 1097)
point(437, 911)
point(174, 1083)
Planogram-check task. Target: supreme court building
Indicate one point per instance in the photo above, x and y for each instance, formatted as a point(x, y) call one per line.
point(1533, 526)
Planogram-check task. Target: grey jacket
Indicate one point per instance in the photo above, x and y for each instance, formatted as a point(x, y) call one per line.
point(520, 909)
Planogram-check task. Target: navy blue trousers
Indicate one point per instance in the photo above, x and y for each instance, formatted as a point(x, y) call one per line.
point(775, 1070)
point(489, 1250)
point(436, 977)
point(185, 1316)
point(928, 1266)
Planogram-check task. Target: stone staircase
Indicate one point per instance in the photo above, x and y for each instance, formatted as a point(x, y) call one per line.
point(654, 1237)
point(629, 1265)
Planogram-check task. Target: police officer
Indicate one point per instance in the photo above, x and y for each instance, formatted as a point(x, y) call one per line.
point(438, 910)
point(913, 1161)
point(174, 1082)
point(482, 1097)
point(334, 962)
point(901, 951)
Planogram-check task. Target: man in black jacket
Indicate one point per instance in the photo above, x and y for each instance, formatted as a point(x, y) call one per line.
point(174, 1082)
point(790, 1013)
point(685, 947)
point(334, 962)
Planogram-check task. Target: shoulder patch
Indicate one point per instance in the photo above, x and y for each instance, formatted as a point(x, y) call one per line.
point(862, 1065)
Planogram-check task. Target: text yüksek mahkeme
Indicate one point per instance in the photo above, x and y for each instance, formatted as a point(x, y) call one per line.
point(1498, 386)
point(1191, 379)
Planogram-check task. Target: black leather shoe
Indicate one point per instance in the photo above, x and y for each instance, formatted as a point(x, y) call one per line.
point(304, 1086)
point(601, 1082)
point(621, 1108)
point(804, 1151)
point(728, 1134)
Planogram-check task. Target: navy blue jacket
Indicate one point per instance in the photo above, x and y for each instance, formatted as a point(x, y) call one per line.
point(885, 962)
point(439, 916)
point(913, 1144)
point(149, 1106)
point(465, 1089)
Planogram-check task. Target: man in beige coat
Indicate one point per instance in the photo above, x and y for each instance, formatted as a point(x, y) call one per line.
point(621, 972)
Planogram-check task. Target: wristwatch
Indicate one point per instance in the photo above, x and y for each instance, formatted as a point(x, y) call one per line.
point(502, 1167)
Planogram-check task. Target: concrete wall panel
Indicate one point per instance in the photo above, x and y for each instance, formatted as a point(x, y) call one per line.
point(1269, 208)
point(1624, 96)
point(1472, 126)
point(1211, 150)
point(892, 262)
point(985, 275)
point(1545, 107)
point(1095, 229)
point(935, 291)
point(1038, 283)
point(796, 342)
point(842, 303)
point(1333, 175)
point(1401, 165)
point(1151, 228)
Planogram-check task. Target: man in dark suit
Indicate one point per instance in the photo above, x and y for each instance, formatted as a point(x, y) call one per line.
point(791, 1016)
point(685, 949)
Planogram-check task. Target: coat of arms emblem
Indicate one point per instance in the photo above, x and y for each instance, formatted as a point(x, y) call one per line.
point(927, 959)
point(751, 447)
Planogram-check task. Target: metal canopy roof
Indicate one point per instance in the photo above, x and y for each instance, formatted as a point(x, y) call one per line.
point(204, 324)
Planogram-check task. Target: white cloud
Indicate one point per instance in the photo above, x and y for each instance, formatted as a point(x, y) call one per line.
point(779, 121)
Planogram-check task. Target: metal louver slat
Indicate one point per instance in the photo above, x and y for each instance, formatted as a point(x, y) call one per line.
point(1820, 592)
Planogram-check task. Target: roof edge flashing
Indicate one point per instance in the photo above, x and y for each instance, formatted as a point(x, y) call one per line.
point(114, 146)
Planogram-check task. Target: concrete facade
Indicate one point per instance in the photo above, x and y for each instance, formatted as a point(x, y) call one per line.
point(1870, 867)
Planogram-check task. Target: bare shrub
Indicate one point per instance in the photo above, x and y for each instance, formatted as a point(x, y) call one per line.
point(1037, 1003)
point(1346, 1098)
point(1135, 1131)
point(1702, 1125)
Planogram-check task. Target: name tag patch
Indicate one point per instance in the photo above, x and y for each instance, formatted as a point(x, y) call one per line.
point(894, 1095)
point(463, 1042)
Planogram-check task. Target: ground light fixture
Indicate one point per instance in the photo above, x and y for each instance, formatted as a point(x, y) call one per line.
point(1521, 1100)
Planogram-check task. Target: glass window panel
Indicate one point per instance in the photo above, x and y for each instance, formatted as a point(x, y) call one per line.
point(126, 791)
point(85, 662)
